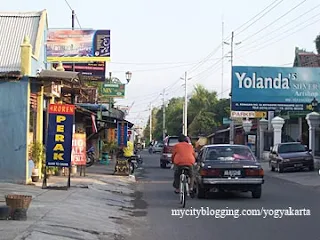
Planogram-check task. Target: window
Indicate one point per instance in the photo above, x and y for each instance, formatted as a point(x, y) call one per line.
point(172, 141)
point(229, 153)
point(291, 148)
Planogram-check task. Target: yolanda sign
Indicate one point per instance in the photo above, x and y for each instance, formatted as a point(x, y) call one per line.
point(274, 88)
point(78, 46)
point(59, 139)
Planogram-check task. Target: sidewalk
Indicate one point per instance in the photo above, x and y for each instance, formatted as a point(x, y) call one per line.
point(305, 178)
point(98, 206)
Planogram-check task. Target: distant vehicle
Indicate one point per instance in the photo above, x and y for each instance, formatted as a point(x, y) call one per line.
point(225, 167)
point(157, 148)
point(291, 155)
point(166, 155)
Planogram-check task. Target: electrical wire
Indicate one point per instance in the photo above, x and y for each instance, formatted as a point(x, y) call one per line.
point(259, 47)
point(255, 16)
point(260, 17)
point(66, 1)
point(276, 20)
point(155, 69)
point(284, 25)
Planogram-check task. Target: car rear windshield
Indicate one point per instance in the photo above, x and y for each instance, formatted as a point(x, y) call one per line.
point(291, 148)
point(229, 153)
point(172, 141)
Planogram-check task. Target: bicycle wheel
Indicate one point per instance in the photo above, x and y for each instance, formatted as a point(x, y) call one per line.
point(184, 193)
point(181, 188)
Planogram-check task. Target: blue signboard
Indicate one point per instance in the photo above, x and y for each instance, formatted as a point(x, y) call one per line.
point(274, 88)
point(122, 132)
point(59, 139)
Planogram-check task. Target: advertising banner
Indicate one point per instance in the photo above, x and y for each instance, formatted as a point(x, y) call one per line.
point(113, 90)
point(95, 71)
point(59, 139)
point(111, 134)
point(79, 150)
point(78, 45)
point(274, 88)
point(122, 131)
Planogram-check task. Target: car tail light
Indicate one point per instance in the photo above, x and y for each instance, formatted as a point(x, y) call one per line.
point(254, 172)
point(210, 172)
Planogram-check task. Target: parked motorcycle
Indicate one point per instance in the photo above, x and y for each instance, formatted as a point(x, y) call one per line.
point(90, 157)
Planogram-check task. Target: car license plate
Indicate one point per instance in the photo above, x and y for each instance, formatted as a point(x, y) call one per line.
point(232, 173)
point(298, 165)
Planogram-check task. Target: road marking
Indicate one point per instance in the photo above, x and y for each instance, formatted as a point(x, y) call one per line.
point(150, 181)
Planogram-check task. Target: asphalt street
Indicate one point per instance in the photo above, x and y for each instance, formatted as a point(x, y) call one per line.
point(156, 192)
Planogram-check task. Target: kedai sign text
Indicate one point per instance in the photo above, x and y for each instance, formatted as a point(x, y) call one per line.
point(59, 139)
point(274, 88)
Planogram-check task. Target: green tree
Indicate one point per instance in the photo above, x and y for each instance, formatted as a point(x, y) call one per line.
point(203, 123)
point(174, 116)
point(146, 131)
point(221, 110)
point(317, 42)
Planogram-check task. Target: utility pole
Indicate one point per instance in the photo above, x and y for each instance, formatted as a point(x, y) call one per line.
point(231, 133)
point(183, 118)
point(163, 115)
point(185, 112)
point(150, 124)
point(222, 58)
point(72, 102)
point(185, 105)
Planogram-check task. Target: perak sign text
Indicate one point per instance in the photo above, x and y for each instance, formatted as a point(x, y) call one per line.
point(274, 88)
point(59, 139)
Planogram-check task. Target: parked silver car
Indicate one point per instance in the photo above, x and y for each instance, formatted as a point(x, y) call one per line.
point(157, 148)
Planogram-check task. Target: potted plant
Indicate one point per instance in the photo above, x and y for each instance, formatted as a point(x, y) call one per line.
point(105, 151)
point(38, 157)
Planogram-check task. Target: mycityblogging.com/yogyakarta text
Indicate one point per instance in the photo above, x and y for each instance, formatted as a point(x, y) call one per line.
point(237, 213)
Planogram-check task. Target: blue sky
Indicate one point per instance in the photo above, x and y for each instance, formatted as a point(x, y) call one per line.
point(159, 40)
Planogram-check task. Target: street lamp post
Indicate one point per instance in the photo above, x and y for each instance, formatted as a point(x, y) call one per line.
point(314, 104)
point(247, 125)
point(128, 76)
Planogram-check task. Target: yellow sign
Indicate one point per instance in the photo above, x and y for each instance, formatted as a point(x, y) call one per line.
point(260, 114)
point(248, 114)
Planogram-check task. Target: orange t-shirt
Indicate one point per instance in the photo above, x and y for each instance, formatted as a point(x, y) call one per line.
point(183, 154)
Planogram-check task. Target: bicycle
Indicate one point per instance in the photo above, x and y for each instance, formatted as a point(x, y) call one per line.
point(184, 185)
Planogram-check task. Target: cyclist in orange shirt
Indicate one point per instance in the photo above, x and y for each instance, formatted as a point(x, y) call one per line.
point(183, 156)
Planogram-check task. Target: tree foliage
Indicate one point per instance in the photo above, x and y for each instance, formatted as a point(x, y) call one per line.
point(205, 113)
point(317, 42)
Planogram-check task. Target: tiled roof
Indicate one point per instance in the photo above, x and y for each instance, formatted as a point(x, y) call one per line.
point(14, 27)
point(306, 59)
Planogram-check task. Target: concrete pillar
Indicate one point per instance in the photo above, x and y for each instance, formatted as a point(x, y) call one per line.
point(26, 53)
point(313, 120)
point(277, 124)
point(39, 128)
point(300, 129)
point(263, 126)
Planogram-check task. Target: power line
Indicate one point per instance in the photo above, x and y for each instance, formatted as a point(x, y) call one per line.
point(154, 69)
point(255, 16)
point(271, 43)
point(284, 25)
point(153, 63)
point(66, 1)
point(262, 29)
point(260, 17)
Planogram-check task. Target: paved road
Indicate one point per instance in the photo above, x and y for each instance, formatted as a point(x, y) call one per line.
point(157, 192)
